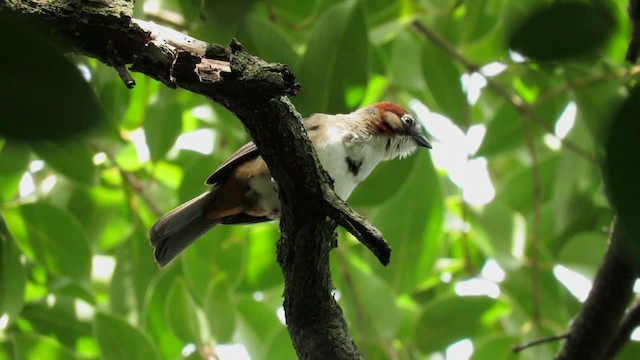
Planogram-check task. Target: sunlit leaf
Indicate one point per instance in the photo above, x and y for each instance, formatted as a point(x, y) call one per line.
point(412, 223)
point(119, 340)
point(505, 132)
point(55, 239)
point(583, 253)
point(218, 306)
point(257, 325)
point(269, 42)
point(57, 317)
point(180, 311)
point(162, 125)
point(33, 346)
point(496, 348)
point(443, 79)
point(156, 323)
point(372, 299)
point(448, 319)
point(384, 182)
point(12, 275)
point(73, 159)
point(280, 347)
point(405, 63)
point(133, 273)
point(326, 74)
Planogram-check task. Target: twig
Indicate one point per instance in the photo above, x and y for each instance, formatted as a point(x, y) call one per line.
point(125, 76)
point(445, 46)
point(501, 91)
point(132, 181)
point(357, 225)
point(527, 114)
point(537, 209)
point(586, 81)
point(516, 349)
point(629, 322)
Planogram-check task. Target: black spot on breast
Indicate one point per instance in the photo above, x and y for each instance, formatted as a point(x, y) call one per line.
point(353, 165)
point(313, 127)
point(388, 144)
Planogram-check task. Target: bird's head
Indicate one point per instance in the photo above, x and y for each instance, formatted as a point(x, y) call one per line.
point(402, 132)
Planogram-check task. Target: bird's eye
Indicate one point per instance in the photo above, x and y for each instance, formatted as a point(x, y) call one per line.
point(407, 120)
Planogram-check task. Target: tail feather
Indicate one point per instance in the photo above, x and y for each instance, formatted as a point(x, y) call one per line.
point(176, 230)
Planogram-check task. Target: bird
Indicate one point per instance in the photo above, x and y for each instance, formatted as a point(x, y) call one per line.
point(349, 147)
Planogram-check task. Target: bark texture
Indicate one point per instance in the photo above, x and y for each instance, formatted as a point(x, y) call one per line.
point(591, 333)
point(256, 92)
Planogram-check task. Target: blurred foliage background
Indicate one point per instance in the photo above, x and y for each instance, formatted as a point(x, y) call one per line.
point(496, 233)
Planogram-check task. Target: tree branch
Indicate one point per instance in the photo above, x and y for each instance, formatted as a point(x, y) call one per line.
point(255, 91)
point(630, 321)
point(590, 333)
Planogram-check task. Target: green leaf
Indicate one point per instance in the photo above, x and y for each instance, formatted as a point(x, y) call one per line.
point(218, 305)
point(14, 161)
point(516, 188)
point(406, 62)
point(498, 223)
point(12, 275)
point(412, 224)
point(443, 82)
point(504, 132)
point(386, 180)
point(261, 268)
point(14, 157)
point(57, 316)
point(162, 126)
point(622, 167)
point(262, 38)
point(119, 340)
point(630, 351)
point(336, 61)
point(374, 299)
point(42, 94)
point(562, 30)
point(155, 322)
point(130, 280)
point(495, 348)
point(54, 238)
point(257, 324)
point(583, 253)
point(556, 305)
point(73, 159)
point(451, 318)
point(221, 250)
point(34, 346)
point(280, 347)
point(180, 311)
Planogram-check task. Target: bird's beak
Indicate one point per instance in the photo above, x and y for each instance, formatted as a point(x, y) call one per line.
point(421, 140)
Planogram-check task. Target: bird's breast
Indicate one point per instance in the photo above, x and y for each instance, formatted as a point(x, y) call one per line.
point(348, 165)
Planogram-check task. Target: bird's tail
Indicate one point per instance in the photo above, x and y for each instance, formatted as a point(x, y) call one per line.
point(180, 227)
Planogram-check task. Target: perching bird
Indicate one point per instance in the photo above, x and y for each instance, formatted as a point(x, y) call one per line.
point(349, 146)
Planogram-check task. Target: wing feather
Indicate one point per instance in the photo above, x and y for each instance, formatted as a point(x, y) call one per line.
point(247, 152)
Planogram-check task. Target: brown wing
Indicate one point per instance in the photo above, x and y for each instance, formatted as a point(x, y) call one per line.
point(247, 152)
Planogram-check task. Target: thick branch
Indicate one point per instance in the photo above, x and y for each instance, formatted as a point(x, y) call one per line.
point(590, 333)
point(256, 92)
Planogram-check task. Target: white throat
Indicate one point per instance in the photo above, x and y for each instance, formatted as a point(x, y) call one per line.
point(349, 158)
